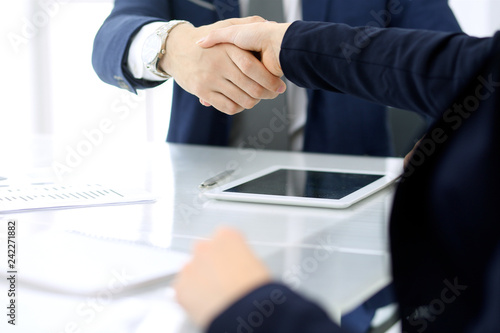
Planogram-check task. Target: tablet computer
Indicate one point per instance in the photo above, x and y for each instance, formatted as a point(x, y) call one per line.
point(315, 187)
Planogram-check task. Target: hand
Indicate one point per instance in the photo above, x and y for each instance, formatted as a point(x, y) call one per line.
point(263, 37)
point(225, 76)
point(222, 271)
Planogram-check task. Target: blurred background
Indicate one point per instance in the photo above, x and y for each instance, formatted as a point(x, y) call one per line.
point(48, 86)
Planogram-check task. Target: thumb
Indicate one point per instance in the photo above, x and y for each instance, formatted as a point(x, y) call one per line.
point(218, 36)
point(245, 20)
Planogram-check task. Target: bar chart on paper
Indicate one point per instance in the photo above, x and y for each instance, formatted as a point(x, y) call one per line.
point(51, 196)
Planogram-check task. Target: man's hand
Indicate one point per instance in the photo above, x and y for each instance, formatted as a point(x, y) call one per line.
point(224, 76)
point(262, 37)
point(222, 271)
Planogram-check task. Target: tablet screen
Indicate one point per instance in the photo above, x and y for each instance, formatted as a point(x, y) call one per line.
point(306, 183)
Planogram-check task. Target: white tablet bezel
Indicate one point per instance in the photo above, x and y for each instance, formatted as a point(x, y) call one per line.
point(387, 179)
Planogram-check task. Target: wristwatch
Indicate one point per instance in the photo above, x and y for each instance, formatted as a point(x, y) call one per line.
point(154, 48)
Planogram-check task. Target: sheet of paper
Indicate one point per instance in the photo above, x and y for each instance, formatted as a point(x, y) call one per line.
point(71, 263)
point(50, 196)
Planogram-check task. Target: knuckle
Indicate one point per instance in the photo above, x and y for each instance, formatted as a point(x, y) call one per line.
point(271, 94)
point(197, 86)
point(274, 83)
point(197, 89)
point(257, 91)
point(249, 103)
point(233, 108)
point(246, 63)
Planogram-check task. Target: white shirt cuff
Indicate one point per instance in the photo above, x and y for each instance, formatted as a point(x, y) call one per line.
point(134, 61)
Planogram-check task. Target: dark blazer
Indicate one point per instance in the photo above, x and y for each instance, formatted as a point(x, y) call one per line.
point(445, 235)
point(335, 123)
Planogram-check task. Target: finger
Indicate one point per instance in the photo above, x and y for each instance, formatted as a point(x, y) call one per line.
point(255, 78)
point(201, 247)
point(222, 103)
point(407, 159)
point(223, 94)
point(236, 94)
point(227, 233)
point(408, 156)
point(227, 93)
point(252, 88)
point(248, 101)
point(204, 103)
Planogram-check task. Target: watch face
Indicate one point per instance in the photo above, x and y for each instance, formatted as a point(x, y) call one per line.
point(150, 49)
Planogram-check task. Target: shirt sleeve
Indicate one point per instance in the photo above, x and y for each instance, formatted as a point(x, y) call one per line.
point(134, 61)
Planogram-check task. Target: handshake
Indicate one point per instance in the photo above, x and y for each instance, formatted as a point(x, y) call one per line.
point(230, 65)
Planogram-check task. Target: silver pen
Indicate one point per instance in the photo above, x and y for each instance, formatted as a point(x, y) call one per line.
point(216, 179)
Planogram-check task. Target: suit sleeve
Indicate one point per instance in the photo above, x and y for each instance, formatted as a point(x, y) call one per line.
point(273, 308)
point(489, 321)
point(111, 43)
point(414, 70)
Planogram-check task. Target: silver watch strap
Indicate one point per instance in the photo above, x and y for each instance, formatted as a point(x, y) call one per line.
point(163, 33)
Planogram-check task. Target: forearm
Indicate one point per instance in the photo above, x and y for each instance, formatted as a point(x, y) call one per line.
point(416, 70)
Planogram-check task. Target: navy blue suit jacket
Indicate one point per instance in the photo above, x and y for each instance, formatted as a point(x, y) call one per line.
point(445, 235)
point(336, 123)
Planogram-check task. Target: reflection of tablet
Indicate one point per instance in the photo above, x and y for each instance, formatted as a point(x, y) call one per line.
point(330, 188)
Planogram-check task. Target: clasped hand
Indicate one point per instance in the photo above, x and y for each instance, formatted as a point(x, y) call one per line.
point(222, 74)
